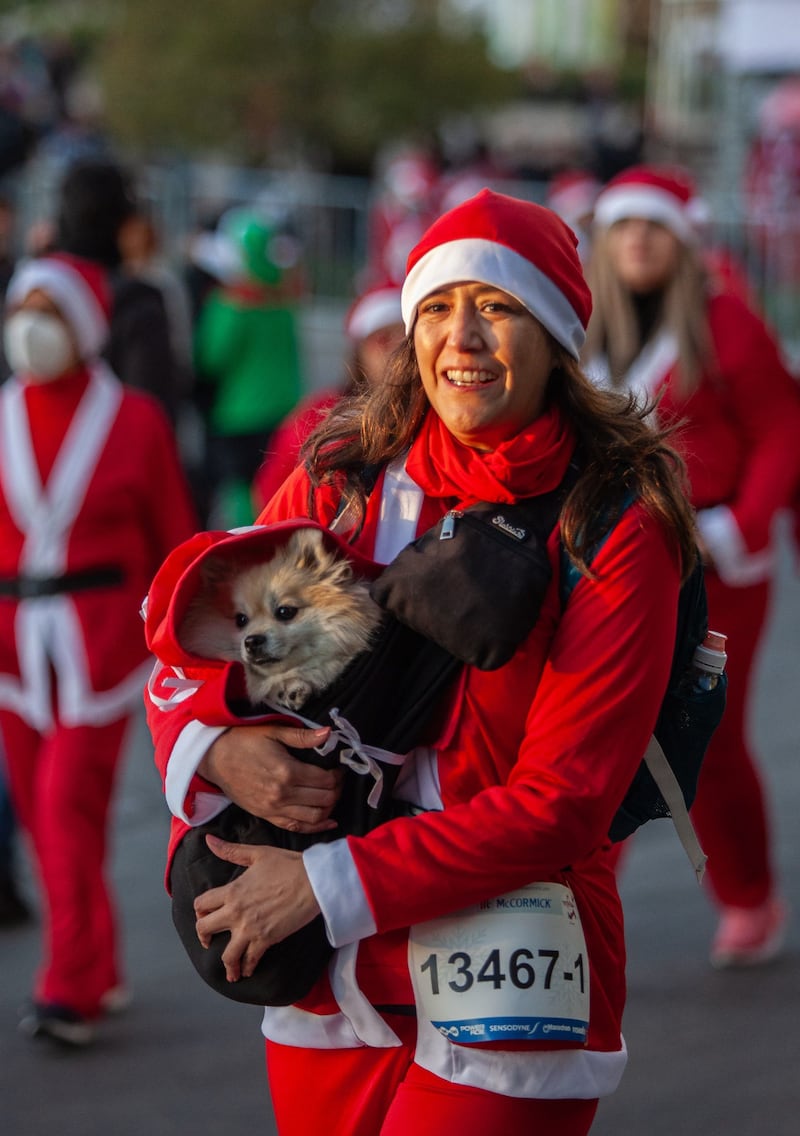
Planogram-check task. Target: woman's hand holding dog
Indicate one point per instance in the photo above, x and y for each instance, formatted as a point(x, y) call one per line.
point(261, 907)
point(252, 767)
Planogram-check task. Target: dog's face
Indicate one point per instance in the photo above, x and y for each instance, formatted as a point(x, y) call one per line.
point(285, 609)
point(303, 608)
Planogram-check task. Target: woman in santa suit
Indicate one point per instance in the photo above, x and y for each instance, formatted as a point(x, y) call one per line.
point(660, 329)
point(483, 401)
point(92, 497)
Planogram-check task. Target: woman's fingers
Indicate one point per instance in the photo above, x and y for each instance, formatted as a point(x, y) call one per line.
point(253, 768)
point(299, 737)
point(242, 955)
point(242, 854)
point(268, 901)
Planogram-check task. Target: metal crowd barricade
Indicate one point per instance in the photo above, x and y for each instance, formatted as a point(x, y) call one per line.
point(330, 216)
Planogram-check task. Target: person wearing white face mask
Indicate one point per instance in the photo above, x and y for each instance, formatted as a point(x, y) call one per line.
point(39, 343)
point(92, 496)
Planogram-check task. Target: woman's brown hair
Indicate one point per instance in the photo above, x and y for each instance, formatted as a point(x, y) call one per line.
point(621, 455)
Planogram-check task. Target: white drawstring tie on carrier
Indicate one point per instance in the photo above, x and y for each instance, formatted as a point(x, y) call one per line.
point(356, 755)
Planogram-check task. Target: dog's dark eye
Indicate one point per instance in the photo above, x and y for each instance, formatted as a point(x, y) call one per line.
point(240, 619)
point(285, 613)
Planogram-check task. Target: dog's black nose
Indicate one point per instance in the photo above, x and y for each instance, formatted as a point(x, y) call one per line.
point(255, 644)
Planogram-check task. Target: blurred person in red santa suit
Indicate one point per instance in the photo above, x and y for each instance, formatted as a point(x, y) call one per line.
point(484, 401)
point(405, 203)
point(92, 496)
point(661, 329)
point(374, 328)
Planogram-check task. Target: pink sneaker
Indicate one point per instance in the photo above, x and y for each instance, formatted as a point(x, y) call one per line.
point(747, 936)
point(116, 1000)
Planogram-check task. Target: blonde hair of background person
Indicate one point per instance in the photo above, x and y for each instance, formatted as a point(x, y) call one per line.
point(613, 328)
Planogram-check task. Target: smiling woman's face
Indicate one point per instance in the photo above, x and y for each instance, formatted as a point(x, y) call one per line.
point(484, 361)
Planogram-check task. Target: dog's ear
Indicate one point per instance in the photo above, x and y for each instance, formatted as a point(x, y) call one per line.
point(216, 573)
point(312, 554)
point(308, 547)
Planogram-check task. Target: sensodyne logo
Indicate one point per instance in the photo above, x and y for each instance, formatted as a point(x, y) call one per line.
point(500, 522)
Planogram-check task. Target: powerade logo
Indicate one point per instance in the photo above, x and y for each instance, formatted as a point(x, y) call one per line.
point(471, 1031)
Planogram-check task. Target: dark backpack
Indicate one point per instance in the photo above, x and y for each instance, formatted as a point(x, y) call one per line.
point(665, 783)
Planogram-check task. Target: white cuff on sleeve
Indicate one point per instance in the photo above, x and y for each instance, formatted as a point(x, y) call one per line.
point(721, 535)
point(193, 743)
point(337, 887)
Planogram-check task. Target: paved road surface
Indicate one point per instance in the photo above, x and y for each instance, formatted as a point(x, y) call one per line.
point(712, 1054)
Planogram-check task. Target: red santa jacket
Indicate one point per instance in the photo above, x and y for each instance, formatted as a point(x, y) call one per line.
point(90, 486)
point(738, 435)
point(541, 755)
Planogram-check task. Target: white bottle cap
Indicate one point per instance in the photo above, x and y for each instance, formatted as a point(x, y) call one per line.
point(710, 655)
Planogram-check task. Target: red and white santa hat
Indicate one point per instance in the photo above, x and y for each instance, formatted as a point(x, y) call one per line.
point(654, 193)
point(572, 195)
point(522, 248)
point(376, 308)
point(80, 290)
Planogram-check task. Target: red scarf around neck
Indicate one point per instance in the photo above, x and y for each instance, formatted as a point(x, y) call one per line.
point(532, 462)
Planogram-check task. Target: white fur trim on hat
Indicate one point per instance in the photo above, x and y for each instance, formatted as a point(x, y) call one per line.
point(575, 201)
point(488, 262)
point(73, 296)
point(374, 311)
point(619, 203)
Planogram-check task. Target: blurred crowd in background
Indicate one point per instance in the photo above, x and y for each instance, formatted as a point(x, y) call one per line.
point(248, 300)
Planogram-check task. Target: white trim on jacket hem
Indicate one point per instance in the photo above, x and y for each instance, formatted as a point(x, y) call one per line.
point(545, 1074)
point(722, 537)
point(289, 1025)
point(192, 744)
point(549, 1074)
point(48, 634)
point(367, 1024)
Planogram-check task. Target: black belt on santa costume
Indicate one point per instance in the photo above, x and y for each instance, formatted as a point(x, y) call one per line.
point(35, 587)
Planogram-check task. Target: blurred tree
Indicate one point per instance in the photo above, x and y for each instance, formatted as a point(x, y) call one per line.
point(256, 78)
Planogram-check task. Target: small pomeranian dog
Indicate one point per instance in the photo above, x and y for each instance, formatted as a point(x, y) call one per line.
point(295, 622)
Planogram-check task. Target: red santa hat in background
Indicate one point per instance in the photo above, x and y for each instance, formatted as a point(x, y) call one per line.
point(665, 194)
point(572, 195)
point(521, 248)
point(80, 290)
point(376, 308)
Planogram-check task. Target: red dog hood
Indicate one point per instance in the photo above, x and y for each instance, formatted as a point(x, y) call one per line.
point(178, 581)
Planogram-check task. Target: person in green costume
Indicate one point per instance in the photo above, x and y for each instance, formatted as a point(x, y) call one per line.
point(247, 354)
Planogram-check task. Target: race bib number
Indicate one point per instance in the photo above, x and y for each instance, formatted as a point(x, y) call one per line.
point(514, 967)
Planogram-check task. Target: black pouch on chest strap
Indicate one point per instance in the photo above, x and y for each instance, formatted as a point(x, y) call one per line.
point(475, 582)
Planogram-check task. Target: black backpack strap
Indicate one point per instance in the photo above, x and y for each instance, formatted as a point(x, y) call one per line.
point(368, 476)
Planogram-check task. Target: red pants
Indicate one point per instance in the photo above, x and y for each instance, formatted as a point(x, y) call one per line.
point(61, 785)
point(729, 811)
point(380, 1092)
